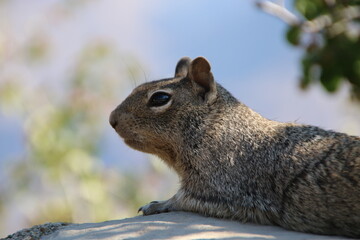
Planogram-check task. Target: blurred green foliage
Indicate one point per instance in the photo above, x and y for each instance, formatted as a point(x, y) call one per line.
point(329, 34)
point(60, 174)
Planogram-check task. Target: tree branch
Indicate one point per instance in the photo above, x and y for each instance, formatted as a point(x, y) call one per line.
point(315, 25)
point(279, 11)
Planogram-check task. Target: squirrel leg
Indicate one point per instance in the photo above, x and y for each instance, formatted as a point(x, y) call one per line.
point(156, 207)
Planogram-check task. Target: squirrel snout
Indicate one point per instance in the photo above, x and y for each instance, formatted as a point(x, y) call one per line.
point(112, 120)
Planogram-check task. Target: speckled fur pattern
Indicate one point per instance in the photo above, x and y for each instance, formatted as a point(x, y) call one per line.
point(235, 164)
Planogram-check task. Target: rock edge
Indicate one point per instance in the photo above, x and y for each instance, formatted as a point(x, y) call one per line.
point(174, 226)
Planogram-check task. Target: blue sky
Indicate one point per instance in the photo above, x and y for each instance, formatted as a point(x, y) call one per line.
point(234, 35)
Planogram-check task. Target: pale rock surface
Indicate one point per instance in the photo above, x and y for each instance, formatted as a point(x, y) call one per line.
point(175, 226)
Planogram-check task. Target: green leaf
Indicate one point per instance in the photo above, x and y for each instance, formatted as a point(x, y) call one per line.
point(311, 9)
point(306, 67)
point(330, 80)
point(293, 35)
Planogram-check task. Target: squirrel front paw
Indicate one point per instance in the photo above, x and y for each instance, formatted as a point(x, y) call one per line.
point(155, 207)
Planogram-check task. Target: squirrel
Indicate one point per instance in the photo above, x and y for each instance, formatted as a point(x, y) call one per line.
point(233, 163)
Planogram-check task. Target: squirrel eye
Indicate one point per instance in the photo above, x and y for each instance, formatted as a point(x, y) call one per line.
point(159, 99)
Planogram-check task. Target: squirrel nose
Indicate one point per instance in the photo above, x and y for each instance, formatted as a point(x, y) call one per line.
point(112, 120)
point(113, 123)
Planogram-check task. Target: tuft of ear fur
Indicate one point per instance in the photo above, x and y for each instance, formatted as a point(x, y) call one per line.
point(182, 67)
point(203, 79)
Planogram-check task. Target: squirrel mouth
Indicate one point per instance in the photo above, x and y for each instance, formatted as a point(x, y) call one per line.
point(135, 144)
point(125, 134)
point(130, 138)
point(130, 142)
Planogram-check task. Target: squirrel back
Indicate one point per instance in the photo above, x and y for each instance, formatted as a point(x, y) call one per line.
point(233, 163)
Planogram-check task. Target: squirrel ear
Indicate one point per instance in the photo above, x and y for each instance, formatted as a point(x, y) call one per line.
point(182, 67)
point(200, 74)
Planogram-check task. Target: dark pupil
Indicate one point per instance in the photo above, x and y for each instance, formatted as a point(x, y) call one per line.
point(159, 99)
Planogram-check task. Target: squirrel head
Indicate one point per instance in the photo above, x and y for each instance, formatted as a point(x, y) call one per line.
point(154, 116)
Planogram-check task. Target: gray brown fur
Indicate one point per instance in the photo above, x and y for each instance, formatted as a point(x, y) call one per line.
point(233, 163)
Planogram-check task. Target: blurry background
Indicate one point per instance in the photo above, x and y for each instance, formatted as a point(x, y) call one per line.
point(65, 64)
